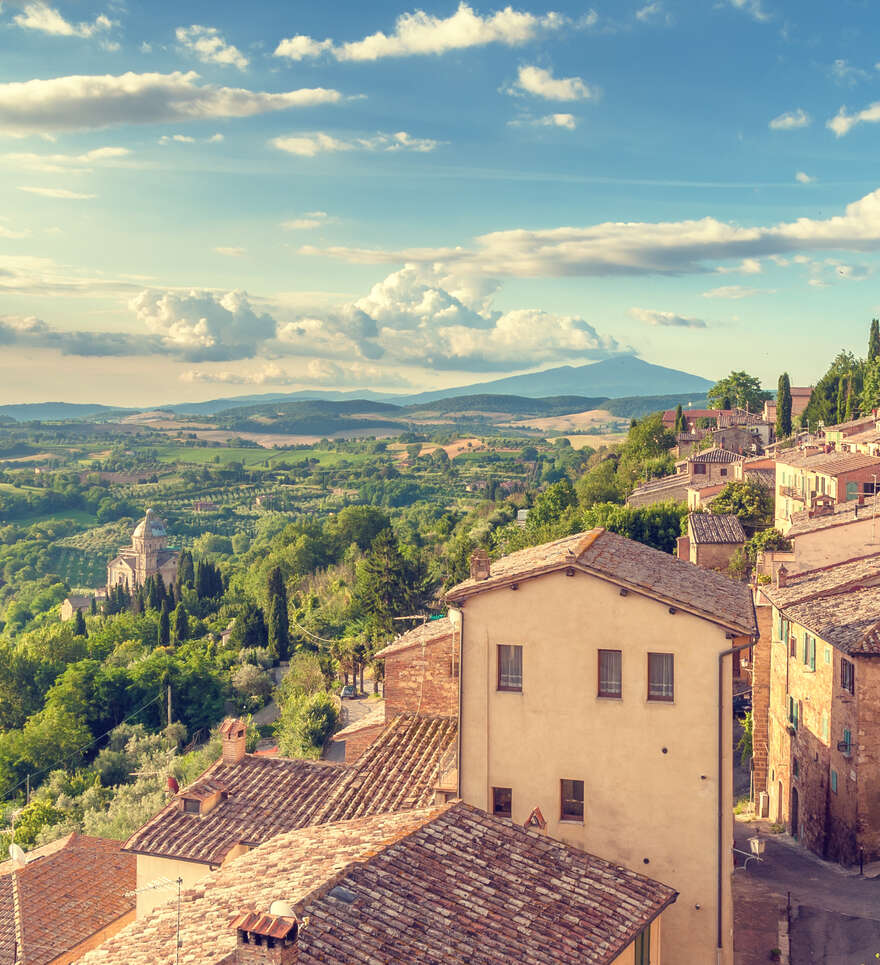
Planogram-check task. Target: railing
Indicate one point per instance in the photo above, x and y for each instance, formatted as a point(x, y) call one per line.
point(791, 493)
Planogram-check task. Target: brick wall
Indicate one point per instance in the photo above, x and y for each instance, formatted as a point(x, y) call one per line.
point(866, 756)
point(356, 742)
point(423, 680)
point(761, 698)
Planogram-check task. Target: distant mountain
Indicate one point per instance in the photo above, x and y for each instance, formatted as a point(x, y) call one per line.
point(54, 411)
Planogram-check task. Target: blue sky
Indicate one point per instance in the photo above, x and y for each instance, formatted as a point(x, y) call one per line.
point(205, 200)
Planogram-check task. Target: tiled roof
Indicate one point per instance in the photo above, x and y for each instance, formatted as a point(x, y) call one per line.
point(840, 603)
point(399, 770)
point(66, 893)
point(715, 528)
point(862, 420)
point(630, 564)
point(376, 715)
point(670, 488)
point(449, 885)
point(844, 513)
point(265, 795)
point(830, 463)
point(715, 455)
point(420, 636)
point(763, 477)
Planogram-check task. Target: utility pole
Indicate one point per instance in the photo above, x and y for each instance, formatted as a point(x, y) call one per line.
point(169, 705)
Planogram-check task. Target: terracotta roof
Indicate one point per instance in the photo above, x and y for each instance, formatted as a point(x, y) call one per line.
point(265, 796)
point(844, 513)
point(629, 564)
point(830, 463)
point(763, 477)
point(862, 420)
point(715, 528)
point(419, 636)
point(715, 455)
point(66, 893)
point(449, 885)
point(399, 770)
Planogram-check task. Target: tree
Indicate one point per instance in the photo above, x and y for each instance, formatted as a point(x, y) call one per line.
point(874, 340)
point(871, 389)
point(250, 628)
point(279, 621)
point(658, 525)
point(740, 389)
point(181, 624)
point(783, 407)
point(185, 571)
point(750, 502)
point(304, 725)
point(164, 636)
point(679, 420)
point(79, 625)
point(383, 586)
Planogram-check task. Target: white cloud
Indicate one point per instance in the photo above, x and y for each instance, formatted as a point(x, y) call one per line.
point(844, 122)
point(210, 47)
point(187, 139)
point(269, 374)
point(753, 8)
point(309, 220)
point(46, 19)
point(734, 291)
point(844, 73)
point(649, 11)
point(791, 120)
point(666, 319)
point(567, 121)
point(74, 163)
point(57, 193)
point(230, 252)
point(7, 232)
point(635, 248)
point(309, 145)
point(541, 83)
point(421, 33)
point(90, 102)
point(803, 178)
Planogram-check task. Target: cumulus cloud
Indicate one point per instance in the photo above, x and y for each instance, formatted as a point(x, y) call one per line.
point(541, 83)
point(638, 248)
point(309, 145)
point(421, 33)
point(567, 121)
point(81, 102)
point(64, 163)
point(210, 47)
point(791, 120)
point(61, 193)
point(843, 122)
point(803, 178)
point(46, 19)
point(666, 319)
point(269, 374)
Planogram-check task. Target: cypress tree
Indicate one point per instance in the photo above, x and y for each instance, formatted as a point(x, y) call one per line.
point(848, 412)
point(79, 625)
point(679, 419)
point(93, 609)
point(874, 340)
point(841, 399)
point(185, 571)
point(164, 637)
point(181, 624)
point(278, 620)
point(783, 407)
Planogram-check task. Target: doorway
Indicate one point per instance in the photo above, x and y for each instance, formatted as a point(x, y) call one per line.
point(794, 812)
point(779, 802)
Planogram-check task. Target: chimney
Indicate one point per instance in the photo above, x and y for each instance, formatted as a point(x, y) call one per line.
point(479, 565)
point(781, 576)
point(234, 733)
point(266, 939)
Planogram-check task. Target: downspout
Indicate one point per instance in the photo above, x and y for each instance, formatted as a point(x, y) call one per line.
point(721, 845)
point(460, 685)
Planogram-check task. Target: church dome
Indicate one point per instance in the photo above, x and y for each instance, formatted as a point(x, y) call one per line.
point(151, 526)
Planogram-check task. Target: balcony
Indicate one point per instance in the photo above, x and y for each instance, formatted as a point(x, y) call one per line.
point(789, 493)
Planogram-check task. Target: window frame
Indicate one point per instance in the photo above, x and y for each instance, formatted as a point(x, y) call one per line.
point(607, 693)
point(642, 947)
point(848, 675)
point(793, 711)
point(192, 806)
point(661, 698)
point(574, 818)
point(507, 688)
point(498, 792)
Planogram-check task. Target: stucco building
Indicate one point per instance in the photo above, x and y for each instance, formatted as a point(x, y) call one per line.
point(147, 556)
point(596, 703)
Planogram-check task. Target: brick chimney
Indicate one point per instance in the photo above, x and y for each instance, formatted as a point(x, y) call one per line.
point(266, 939)
point(781, 576)
point(479, 565)
point(234, 733)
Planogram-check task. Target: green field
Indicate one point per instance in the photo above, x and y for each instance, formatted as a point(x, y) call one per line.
point(208, 456)
point(79, 516)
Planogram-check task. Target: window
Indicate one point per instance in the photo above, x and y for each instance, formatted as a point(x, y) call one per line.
point(846, 744)
point(502, 801)
point(795, 767)
point(191, 806)
point(810, 651)
point(847, 675)
point(642, 946)
point(661, 684)
point(572, 808)
point(699, 468)
point(792, 645)
point(828, 655)
point(834, 781)
point(723, 472)
point(609, 673)
point(509, 668)
point(793, 712)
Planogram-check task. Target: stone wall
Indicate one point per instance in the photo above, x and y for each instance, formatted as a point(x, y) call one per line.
point(713, 556)
point(422, 679)
point(761, 698)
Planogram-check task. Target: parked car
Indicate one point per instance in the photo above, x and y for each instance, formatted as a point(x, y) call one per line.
point(348, 692)
point(742, 702)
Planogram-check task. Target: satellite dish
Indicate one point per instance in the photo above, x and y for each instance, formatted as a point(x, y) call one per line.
point(19, 858)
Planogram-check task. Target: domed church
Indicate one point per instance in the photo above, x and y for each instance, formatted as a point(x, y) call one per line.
point(147, 556)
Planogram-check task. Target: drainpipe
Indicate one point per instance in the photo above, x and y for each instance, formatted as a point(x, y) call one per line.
point(721, 844)
point(460, 672)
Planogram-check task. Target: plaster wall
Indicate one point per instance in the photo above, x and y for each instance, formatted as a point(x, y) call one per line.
point(650, 768)
point(151, 867)
point(834, 544)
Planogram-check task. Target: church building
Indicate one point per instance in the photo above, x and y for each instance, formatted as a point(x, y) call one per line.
point(147, 556)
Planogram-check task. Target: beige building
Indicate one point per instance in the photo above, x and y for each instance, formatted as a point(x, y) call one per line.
point(596, 704)
point(75, 604)
point(712, 539)
point(147, 556)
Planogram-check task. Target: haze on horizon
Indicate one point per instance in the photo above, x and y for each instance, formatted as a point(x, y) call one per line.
point(401, 198)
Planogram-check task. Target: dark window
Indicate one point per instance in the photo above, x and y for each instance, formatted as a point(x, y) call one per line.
point(847, 742)
point(699, 469)
point(793, 712)
point(572, 800)
point(609, 673)
point(502, 801)
point(847, 675)
point(792, 645)
point(191, 806)
point(642, 946)
point(795, 768)
point(723, 472)
point(509, 668)
point(834, 781)
point(661, 684)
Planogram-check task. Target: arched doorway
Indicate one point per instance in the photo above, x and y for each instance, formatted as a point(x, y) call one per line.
point(794, 812)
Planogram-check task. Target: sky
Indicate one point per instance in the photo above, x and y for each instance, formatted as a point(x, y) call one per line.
point(205, 200)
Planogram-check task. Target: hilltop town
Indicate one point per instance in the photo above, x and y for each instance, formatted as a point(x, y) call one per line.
point(495, 698)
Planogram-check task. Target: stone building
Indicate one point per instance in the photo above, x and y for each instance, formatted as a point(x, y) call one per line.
point(712, 539)
point(822, 768)
point(147, 556)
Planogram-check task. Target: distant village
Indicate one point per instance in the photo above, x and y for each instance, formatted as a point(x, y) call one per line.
point(549, 776)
